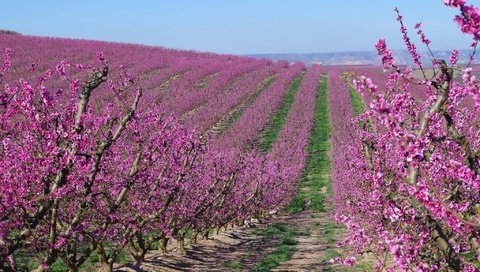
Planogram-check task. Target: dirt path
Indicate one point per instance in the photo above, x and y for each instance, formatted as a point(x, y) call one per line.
point(234, 250)
point(241, 248)
point(310, 254)
point(314, 234)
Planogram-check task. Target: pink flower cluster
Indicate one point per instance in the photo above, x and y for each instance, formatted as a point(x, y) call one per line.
point(469, 19)
point(6, 61)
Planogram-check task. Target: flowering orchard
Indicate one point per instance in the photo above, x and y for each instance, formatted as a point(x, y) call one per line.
point(407, 185)
point(116, 153)
point(94, 161)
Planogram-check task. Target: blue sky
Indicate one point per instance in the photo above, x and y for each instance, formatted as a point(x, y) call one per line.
point(238, 27)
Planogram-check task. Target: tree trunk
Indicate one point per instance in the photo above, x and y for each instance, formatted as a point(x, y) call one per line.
point(163, 245)
point(206, 234)
point(181, 245)
point(40, 268)
point(9, 265)
point(438, 235)
point(106, 266)
point(72, 268)
point(138, 252)
point(71, 258)
point(195, 237)
point(71, 262)
point(105, 262)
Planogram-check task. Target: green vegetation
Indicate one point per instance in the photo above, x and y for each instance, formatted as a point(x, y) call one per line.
point(274, 229)
point(470, 257)
point(363, 267)
point(357, 102)
point(327, 230)
point(233, 265)
point(284, 248)
point(315, 184)
point(360, 267)
point(280, 117)
point(282, 254)
point(330, 254)
point(27, 264)
point(123, 258)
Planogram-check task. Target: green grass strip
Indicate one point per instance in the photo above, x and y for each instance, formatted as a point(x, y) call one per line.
point(315, 183)
point(285, 247)
point(329, 228)
point(26, 263)
point(357, 102)
point(233, 265)
point(280, 117)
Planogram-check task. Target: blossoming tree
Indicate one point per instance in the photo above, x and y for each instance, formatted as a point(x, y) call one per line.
point(416, 177)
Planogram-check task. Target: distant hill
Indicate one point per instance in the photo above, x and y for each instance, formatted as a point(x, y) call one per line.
point(402, 57)
point(9, 32)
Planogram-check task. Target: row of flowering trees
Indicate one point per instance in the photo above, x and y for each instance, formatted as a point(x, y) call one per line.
point(245, 130)
point(410, 186)
point(91, 166)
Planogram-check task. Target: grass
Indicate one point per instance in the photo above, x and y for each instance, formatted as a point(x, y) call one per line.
point(315, 183)
point(357, 102)
point(285, 247)
point(274, 229)
point(123, 258)
point(282, 254)
point(232, 265)
point(362, 267)
point(328, 231)
point(280, 117)
point(330, 254)
point(26, 263)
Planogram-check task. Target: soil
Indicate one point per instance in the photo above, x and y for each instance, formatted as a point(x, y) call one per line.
point(245, 247)
point(312, 245)
point(241, 245)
